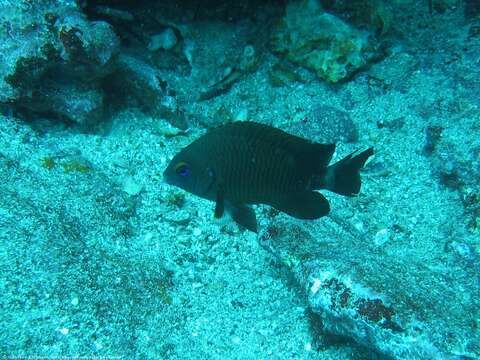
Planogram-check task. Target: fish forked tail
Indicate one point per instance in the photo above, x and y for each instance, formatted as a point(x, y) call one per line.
point(343, 177)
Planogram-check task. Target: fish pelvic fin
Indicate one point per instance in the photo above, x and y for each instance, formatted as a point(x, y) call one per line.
point(219, 204)
point(343, 177)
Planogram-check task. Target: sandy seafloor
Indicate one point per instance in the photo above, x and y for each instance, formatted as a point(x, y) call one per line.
point(113, 262)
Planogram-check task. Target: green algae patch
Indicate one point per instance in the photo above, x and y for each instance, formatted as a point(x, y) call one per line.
point(74, 166)
point(48, 162)
point(164, 296)
point(177, 199)
point(68, 166)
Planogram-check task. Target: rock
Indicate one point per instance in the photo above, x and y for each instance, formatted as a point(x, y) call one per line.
point(78, 102)
point(180, 217)
point(285, 73)
point(374, 15)
point(60, 66)
point(164, 128)
point(90, 44)
point(380, 302)
point(247, 63)
point(241, 114)
point(382, 236)
point(326, 124)
point(322, 42)
point(220, 53)
point(131, 186)
point(395, 70)
point(112, 13)
point(248, 60)
point(166, 40)
point(140, 81)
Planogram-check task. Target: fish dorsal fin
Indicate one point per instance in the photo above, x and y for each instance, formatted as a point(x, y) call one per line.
point(309, 155)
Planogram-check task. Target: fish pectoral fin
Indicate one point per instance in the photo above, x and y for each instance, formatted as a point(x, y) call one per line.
point(303, 205)
point(244, 216)
point(219, 204)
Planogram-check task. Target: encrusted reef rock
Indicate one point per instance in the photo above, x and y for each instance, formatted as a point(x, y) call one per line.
point(457, 166)
point(221, 53)
point(61, 61)
point(374, 15)
point(312, 38)
point(383, 302)
point(326, 124)
point(136, 79)
point(81, 58)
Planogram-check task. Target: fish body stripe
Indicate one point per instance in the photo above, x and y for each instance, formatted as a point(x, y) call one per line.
point(250, 163)
point(253, 163)
point(245, 167)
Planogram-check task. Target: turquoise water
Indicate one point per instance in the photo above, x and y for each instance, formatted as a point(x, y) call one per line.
point(100, 258)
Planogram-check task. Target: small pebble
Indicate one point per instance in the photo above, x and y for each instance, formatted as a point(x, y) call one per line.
point(63, 331)
point(241, 115)
point(381, 237)
point(165, 40)
point(180, 217)
point(315, 286)
point(359, 226)
point(131, 187)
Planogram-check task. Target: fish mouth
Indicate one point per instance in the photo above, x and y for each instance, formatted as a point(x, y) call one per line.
point(167, 179)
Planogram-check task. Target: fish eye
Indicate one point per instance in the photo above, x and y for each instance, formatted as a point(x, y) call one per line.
point(182, 169)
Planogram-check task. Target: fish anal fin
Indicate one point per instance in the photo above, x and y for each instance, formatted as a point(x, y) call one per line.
point(302, 205)
point(244, 216)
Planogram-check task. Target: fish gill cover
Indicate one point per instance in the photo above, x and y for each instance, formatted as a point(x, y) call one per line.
point(100, 257)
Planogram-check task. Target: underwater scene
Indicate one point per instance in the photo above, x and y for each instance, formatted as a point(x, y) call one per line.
point(278, 179)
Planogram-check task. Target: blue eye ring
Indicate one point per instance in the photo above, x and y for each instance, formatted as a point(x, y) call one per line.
point(182, 169)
